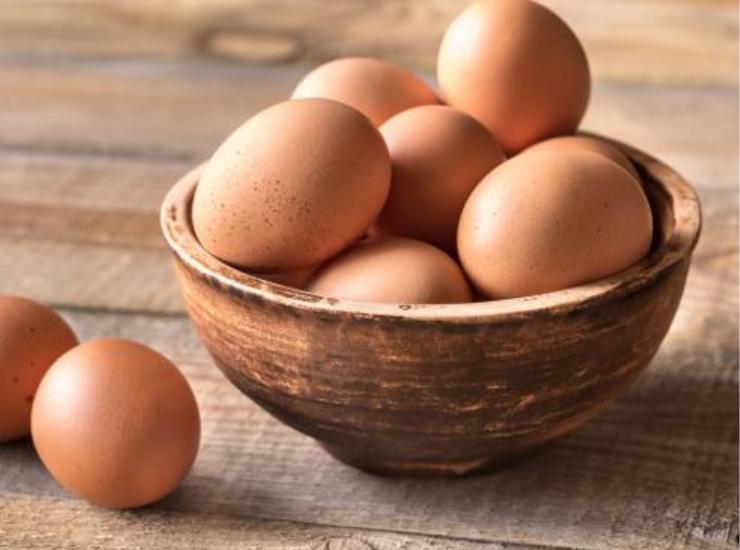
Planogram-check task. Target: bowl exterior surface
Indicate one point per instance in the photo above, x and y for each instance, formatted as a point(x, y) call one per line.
point(439, 390)
point(403, 397)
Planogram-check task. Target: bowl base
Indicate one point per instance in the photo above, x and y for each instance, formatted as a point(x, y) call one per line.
point(395, 468)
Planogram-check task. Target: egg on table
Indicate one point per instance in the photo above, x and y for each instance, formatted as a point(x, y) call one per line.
point(376, 88)
point(116, 423)
point(438, 155)
point(392, 270)
point(32, 337)
point(293, 186)
point(549, 220)
point(516, 67)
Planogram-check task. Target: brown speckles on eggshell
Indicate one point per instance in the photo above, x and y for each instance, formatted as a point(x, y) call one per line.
point(34, 336)
point(579, 214)
point(292, 193)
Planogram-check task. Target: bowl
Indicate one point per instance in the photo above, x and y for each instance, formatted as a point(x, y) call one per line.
point(438, 390)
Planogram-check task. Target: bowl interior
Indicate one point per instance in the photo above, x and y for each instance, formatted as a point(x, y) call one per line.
point(677, 222)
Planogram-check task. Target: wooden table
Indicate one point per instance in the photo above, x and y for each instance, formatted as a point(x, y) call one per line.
point(103, 105)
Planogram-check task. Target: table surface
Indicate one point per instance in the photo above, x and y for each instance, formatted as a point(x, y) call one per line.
point(103, 105)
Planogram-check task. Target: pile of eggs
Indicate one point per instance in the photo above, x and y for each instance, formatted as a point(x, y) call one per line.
point(367, 185)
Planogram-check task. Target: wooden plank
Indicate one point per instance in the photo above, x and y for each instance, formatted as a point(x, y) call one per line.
point(165, 111)
point(42, 522)
point(658, 469)
point(180, 111)
point(655, 40)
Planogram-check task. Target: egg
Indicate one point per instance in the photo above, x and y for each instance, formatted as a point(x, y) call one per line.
point(32, 337)
point(294, 185)
point(516, 67)
point(116, 423)
point(587, 143)
point(393, 270)
point(549, 220)
point(376, 88)
point(438, 155)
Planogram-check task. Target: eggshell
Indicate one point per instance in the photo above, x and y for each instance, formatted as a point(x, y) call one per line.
point(393, 270)
point(586, 143)
point(293, 186)
point(116, 423)
point(550, 220)
point(376, 88)
point(516, 67)
point(438, 155)
point(32, 337)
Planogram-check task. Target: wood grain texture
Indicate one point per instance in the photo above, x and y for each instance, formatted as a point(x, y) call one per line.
point(179, 111)
point(655, 40)
point(656, 470)
point(85, 527)
point(104, 104)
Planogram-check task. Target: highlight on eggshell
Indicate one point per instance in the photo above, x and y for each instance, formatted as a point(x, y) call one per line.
point(32, 337)
point(116, 423)
point(518, 68)
point(550, 220)
point(438, 156)
point(378, 89)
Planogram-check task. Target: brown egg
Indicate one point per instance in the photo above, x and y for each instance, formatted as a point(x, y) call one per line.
point(293, 186)
point(376, 88)
point(32, 337)
point(438, 155)
point(586, 143)
point(116, 423)
point(550, 220)
point(516, 67)
point(392, 270)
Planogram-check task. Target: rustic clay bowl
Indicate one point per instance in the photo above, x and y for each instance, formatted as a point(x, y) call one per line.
point(438, 389)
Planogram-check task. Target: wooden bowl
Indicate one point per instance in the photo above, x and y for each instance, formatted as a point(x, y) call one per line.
point(438, 389)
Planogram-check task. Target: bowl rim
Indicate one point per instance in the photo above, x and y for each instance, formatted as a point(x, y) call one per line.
point(178, 232)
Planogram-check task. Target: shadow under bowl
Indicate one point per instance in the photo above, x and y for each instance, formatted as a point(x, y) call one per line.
point(438, 390)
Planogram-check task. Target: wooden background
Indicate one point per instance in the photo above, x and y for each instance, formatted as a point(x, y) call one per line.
point(103, 104)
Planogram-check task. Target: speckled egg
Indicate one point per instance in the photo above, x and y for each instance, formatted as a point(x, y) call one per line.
point(32, 337)
point(549, 220)
point(294, 185)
